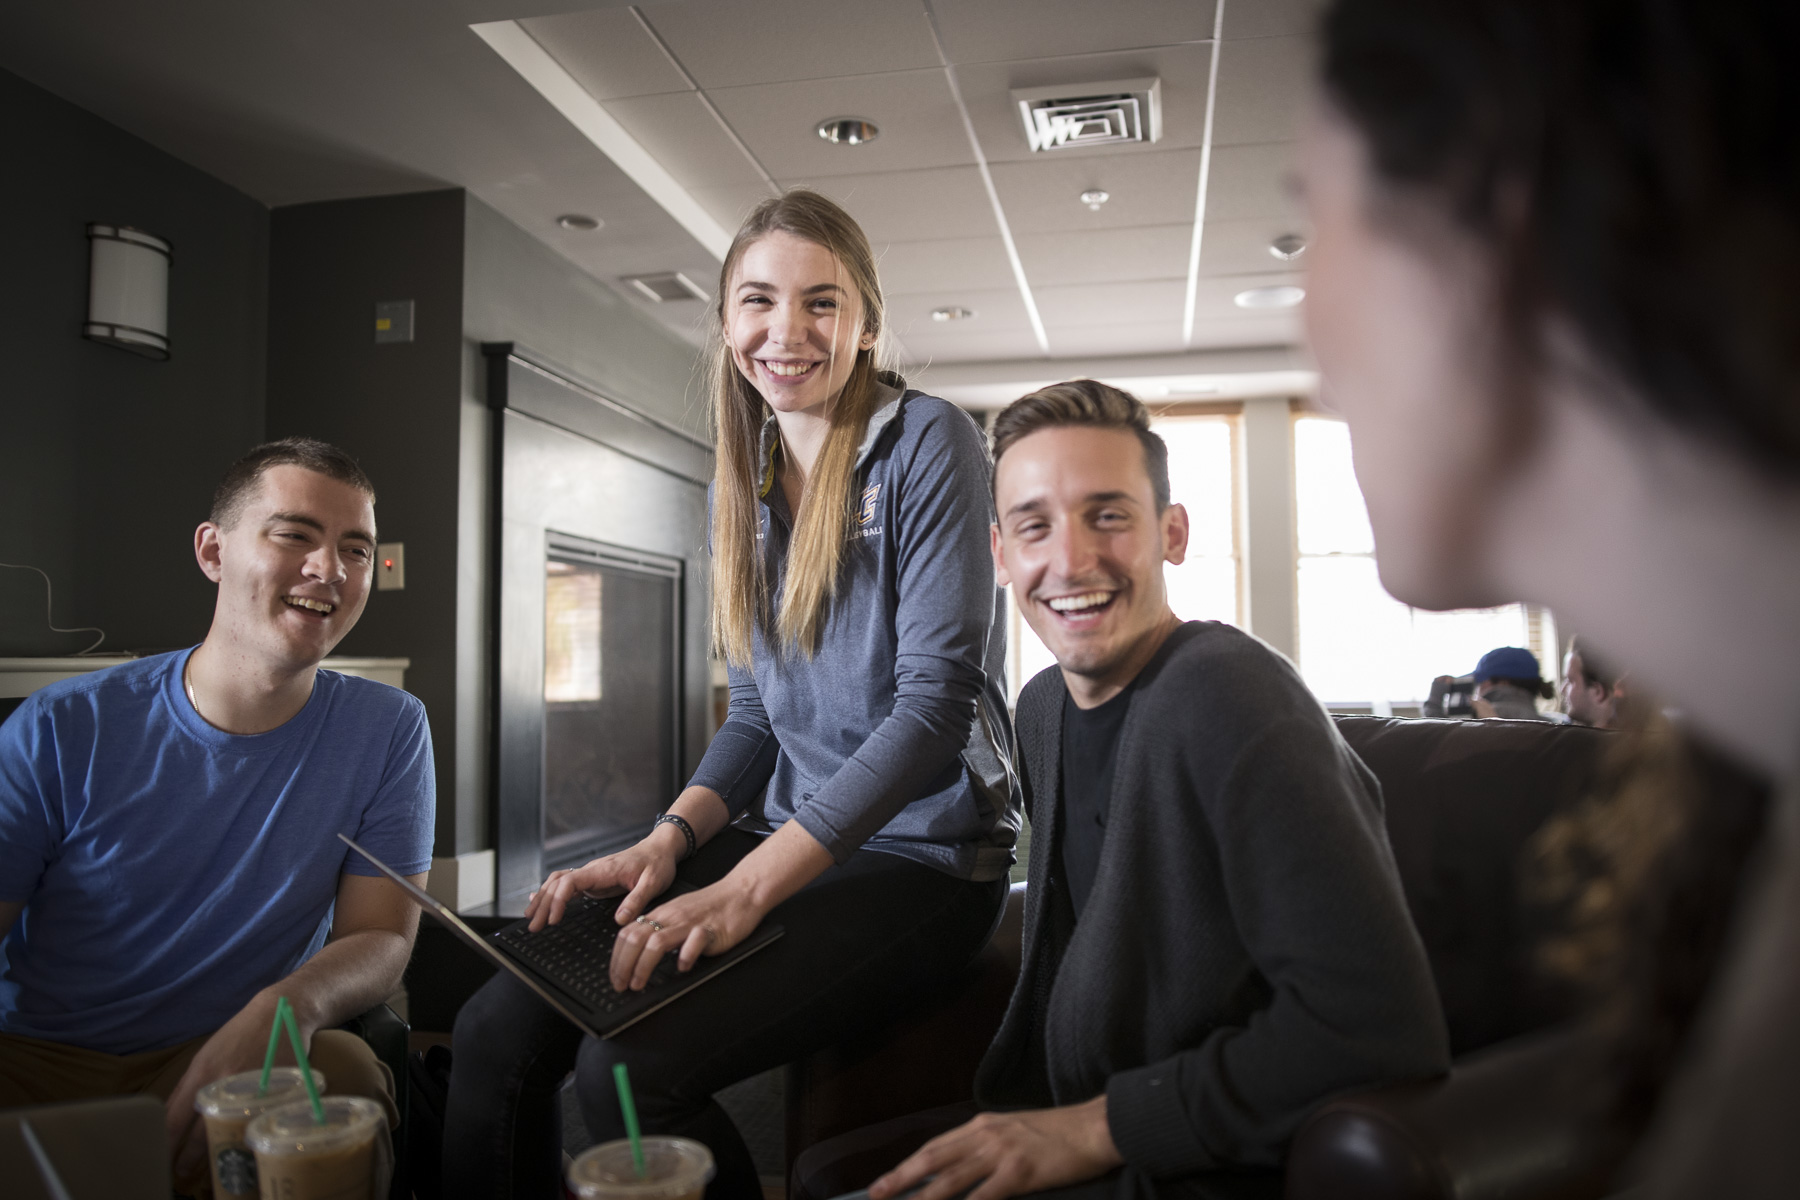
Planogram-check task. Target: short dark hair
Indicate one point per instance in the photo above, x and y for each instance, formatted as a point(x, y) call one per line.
point(1085, 402)
point(1594, 669)
point(240, 482)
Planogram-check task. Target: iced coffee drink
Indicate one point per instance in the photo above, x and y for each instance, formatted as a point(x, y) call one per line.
point(228, 1105)
point(674, 1169)
point(346, 1158)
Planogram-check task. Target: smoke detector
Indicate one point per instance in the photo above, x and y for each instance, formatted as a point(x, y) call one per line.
point(664, 287)
point(1108, 113)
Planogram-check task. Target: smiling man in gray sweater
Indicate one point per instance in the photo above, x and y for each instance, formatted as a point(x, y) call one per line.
point(1215, 936)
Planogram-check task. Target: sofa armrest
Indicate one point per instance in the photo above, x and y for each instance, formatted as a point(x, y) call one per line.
point(1518, 1120)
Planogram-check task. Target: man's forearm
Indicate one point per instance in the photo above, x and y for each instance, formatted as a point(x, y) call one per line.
point(351, 974)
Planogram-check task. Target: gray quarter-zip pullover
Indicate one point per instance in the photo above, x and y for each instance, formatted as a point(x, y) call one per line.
point(894, 734)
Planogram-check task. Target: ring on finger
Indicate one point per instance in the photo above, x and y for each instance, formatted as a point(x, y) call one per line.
point(711, 933)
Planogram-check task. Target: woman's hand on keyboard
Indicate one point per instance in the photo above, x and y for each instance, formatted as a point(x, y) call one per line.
point(709, 921)
point(645, 871)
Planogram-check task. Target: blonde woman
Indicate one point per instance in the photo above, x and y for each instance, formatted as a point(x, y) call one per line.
point(854, 599)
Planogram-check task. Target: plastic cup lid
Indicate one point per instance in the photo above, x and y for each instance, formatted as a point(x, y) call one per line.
point(235, 1095)
point(291, 1128)
point(672, 1167)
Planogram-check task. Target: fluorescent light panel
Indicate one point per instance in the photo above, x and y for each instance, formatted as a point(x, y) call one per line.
point(1206, 140)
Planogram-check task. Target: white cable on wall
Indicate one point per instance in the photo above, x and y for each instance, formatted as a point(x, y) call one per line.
point(50, 612)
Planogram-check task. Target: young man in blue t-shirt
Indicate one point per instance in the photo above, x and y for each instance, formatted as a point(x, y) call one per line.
point(169, 859)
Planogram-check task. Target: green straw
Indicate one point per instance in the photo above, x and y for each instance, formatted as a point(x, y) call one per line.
point(262, 1089)
point(285, 1012)
point(631, 1125)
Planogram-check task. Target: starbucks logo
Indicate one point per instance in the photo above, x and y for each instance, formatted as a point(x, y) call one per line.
point(237, 1171)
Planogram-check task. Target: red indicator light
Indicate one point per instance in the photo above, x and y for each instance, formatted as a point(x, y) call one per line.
point(388, 563)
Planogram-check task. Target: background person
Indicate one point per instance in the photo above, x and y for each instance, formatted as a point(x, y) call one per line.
point(1504, 684)
point(1552, 286)
point(1593, 693)
point(169, 863)
point(855, 600)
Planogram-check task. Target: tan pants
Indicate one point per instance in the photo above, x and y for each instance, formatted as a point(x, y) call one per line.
point(38, 1072)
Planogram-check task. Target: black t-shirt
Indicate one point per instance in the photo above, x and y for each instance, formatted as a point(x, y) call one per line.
point(1090, 743)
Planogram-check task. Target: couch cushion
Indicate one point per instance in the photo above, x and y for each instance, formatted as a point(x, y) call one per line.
point(1463, 800)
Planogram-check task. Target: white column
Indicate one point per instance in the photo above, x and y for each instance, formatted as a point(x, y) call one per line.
point(1269, 523)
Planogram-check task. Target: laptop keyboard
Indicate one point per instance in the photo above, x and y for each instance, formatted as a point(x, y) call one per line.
point(576, 952)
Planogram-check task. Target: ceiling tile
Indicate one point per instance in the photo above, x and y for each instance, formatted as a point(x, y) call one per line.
point(1242, 247)
point(919, 122)
point(1252, 183)
point(1106, 255)
point(1162, 336)
point(729, 204)
point(944, 264)
point(911, 206)
point(1263, 85)
point(1091, 304)
point(686, 139)
point(994, 30)
point(728, 43)
point(997, 309)
point(1044, 195)
point(1278, 330)
point(607, 52)
point(1182, 69)
point(1272, 18)
point(928, 347)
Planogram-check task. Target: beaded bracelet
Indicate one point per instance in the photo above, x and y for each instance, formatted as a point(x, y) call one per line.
point(687, 831)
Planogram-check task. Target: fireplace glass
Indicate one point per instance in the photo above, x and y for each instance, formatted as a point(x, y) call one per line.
point(611, 696)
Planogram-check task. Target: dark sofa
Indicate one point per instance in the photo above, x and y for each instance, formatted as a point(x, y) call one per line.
point(1463, 800)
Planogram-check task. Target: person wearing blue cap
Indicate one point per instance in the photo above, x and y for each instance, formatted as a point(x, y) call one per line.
point(1506, 684)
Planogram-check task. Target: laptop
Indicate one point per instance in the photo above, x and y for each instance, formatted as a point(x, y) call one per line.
point(566, 963)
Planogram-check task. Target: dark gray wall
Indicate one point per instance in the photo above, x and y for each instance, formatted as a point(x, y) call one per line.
point(396, 407)
point(108, 460)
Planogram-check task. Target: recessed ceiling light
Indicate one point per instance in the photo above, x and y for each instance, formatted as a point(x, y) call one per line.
point(579, 222)
point(848, 131)
point(1288, 247)
point(1094, 198)
point(953, 312)
point(1270, 297)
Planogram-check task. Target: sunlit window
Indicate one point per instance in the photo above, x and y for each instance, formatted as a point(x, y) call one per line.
point(1202, 478)
point(1358, 644)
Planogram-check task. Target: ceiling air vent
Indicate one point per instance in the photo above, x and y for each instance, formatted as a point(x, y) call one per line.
point(1111, 113)
point(659, 289)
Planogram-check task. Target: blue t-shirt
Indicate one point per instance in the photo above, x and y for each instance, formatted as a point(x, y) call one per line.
point(169, 870)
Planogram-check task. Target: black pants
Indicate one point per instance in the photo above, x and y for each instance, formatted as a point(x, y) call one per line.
point(853, 1161)
point(862, 942)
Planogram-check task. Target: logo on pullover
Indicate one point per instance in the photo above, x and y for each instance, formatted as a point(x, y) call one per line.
point(867, 513)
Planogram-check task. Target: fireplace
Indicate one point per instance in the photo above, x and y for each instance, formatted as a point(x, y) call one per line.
point(611, 694)
point(601, 675)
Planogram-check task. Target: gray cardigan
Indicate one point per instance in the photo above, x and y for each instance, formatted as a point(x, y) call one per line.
point(1246, 951)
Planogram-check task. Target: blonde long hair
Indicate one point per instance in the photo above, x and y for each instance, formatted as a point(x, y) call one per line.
point(740, 585)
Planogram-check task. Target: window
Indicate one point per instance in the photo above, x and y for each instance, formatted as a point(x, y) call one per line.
point(1357, 644)
point(1207, 586)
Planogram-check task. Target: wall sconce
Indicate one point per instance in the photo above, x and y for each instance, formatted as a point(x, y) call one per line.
point(128, 289)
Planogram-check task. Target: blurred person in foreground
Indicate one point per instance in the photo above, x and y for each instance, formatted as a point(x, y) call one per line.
point(1555, 288)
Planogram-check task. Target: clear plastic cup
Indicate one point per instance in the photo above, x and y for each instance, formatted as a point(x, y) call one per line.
point(347, 1158)
point(674, 1169)
point(228, 1105)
